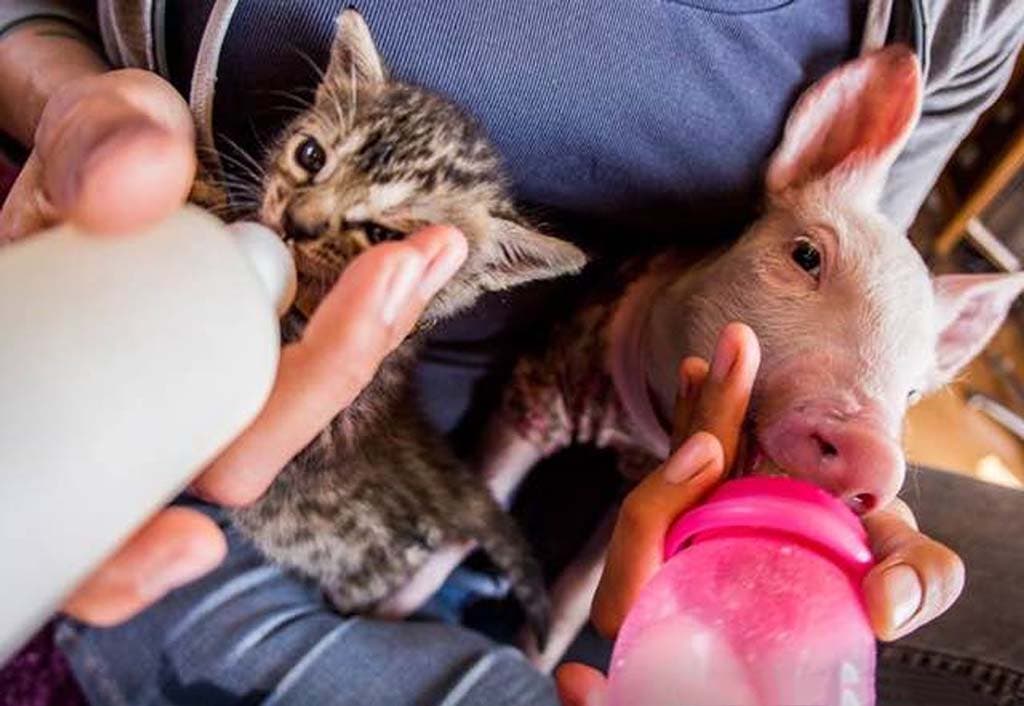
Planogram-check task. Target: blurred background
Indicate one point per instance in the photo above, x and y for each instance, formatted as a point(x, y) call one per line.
point(973, 221)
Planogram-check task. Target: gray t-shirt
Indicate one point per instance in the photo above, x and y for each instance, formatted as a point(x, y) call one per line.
point(673, 81)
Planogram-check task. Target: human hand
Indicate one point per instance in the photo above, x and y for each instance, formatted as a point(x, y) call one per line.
point(112, 152)
point(709, 415)
point(708, 420)
point(369, 311)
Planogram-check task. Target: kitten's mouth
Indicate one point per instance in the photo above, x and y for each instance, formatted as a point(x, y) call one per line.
point(315, 279)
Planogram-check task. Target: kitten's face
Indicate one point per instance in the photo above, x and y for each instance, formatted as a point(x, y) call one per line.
point(374, 160)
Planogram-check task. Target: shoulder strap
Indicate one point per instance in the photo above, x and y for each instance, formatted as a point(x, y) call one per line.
point(204, 81)
point(896, 21)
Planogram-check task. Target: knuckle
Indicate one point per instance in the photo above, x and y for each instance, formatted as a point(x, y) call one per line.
point(632, 514)
point(890, 535)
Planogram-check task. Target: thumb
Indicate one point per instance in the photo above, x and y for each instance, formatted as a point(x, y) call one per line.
point(117, 156)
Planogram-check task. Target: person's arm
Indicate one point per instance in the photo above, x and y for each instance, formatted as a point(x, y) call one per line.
point(972, 48)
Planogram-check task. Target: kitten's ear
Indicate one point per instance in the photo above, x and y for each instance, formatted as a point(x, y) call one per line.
point(515, 255)
point(354, 56)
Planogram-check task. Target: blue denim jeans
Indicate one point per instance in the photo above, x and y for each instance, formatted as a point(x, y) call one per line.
point(251, 633)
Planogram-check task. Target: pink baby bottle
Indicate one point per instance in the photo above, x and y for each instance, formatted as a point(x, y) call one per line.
point(758, 604)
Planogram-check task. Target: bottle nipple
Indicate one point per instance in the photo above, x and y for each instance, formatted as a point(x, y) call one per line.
point(271, 260)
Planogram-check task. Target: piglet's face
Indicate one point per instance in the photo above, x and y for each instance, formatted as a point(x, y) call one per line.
point(852, 327)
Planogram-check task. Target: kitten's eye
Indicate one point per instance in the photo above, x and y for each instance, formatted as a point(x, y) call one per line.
point(310, 156)
point(807, 257)
point(376, 233)
point(913, 397)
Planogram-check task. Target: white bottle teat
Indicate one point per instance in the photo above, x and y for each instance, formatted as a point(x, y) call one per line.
point(271, 259)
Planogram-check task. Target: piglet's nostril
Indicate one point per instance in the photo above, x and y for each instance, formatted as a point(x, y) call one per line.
point(862, 503)
point(826, 448)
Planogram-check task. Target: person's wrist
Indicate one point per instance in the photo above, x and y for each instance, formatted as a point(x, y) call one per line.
point(38, 58)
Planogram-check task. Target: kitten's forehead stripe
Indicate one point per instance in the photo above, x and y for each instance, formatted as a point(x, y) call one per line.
point(385, 196)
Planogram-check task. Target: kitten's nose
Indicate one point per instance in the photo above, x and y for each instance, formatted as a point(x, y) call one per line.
point(298, 231)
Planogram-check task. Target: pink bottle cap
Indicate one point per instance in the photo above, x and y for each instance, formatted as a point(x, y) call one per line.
point(784, 505)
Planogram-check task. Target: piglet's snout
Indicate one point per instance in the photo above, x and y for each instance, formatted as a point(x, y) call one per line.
point(854, 459)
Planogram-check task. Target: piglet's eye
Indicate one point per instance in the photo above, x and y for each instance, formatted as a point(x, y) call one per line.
point(913, 397)
point(807, 257)
point(310, 156)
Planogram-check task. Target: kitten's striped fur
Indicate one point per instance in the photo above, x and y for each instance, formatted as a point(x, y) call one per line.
point(364, 505)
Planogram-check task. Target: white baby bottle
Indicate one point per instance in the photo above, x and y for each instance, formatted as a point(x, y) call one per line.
point(126, 363)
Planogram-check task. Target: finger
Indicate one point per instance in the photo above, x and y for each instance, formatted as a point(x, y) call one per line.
point(903, 511)
point(916, 578)
point(175, 547)
point(25, 210)
point(443, 250)
point(725, 393)
point(692, 374)
point(635, 552)
point(367, 313)
point(579, 685)
point(118, 154)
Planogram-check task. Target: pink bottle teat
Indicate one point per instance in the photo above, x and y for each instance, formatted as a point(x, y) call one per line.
point(759, 603)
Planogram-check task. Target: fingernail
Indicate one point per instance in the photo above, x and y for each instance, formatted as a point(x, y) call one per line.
point(903, 593)
point(695, 453)
point(721, 364)
point(441, 268)
point(401, 286)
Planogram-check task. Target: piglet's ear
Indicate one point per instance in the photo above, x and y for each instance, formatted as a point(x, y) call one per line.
point(849, 127)
point(971, 308)
point(514, 255)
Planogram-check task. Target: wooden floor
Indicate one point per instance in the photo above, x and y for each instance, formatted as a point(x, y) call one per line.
point(943, 432)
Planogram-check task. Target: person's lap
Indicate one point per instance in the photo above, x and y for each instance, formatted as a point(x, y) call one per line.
point(251, 633)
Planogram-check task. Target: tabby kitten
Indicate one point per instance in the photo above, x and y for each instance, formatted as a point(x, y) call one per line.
point(366, 503)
